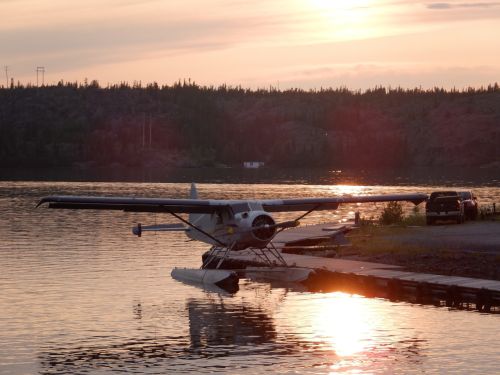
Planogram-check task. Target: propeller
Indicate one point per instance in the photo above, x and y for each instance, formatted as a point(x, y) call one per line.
point(264, 227)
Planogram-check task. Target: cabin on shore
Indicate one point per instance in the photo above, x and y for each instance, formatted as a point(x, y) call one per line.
point(253, 164)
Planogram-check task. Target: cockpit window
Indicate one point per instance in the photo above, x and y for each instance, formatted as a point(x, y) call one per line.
point(219, 218)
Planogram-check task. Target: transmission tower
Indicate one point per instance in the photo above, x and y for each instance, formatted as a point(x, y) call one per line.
point(40, 70)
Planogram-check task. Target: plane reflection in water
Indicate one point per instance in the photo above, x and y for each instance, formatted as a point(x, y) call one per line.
point(213, 325)
point(257, 325)
point(220, 326)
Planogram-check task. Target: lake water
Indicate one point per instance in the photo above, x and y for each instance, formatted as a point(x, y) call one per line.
point(80, 294)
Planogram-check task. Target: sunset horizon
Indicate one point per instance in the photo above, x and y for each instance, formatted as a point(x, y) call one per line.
point(309, 45)
point(249, 186)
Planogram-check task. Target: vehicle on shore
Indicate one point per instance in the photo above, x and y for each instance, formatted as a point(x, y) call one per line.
point(469, 201)
point(444, 205)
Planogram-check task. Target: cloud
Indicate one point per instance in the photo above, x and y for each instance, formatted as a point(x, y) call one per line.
point(446, 14)
point(462, 5)
point(73, 46)
point(66, 38)
point(243, 40)
point(439, 6)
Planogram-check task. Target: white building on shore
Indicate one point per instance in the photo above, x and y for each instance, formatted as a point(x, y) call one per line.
point(253, 164)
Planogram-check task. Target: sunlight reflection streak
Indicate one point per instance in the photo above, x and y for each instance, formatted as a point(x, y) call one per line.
point(337, 322)
point(342, 322)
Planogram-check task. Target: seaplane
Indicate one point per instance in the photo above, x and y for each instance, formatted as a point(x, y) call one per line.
point(227, 225)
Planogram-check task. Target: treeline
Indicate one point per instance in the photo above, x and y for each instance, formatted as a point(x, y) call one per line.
point(84, 124)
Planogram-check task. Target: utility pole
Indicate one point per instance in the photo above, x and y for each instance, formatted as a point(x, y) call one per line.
point(40, 70)
point(143, 129)
point(150, 129)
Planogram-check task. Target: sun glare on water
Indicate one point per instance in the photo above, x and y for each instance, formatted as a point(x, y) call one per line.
point(343, 324)
point(339, 323)
point(347, 189)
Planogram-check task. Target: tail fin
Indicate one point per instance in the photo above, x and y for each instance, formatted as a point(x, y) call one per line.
point(193, 194)
point(205, 222)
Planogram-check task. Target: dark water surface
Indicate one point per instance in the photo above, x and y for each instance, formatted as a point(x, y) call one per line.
point(80, 294)
point(428, 176)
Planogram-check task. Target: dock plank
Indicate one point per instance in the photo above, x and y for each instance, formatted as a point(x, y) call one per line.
point(421, 277)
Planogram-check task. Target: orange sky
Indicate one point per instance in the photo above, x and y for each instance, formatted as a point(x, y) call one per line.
point(254, 43)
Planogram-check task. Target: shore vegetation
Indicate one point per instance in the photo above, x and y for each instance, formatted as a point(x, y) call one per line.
point(87, 125)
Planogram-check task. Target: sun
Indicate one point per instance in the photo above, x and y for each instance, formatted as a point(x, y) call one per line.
point(344, 19)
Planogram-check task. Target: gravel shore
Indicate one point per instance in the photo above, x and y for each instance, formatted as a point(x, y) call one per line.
point(471, 249)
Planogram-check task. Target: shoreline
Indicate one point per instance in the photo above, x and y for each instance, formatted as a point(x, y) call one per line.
point(383, 262)
point(467, 250)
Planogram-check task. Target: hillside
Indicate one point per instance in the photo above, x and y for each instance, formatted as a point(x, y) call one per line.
point(187, 125)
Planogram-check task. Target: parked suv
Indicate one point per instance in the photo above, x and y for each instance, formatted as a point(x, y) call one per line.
point(444, 205)
point(469, 200)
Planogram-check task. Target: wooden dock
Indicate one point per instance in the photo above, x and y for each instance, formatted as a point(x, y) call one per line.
point(317, 232)
point(376, 279)
point(387, 281)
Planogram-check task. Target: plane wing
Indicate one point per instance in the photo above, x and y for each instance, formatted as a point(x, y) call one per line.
point(196, 206)
point(306, 204)
point(212, 206)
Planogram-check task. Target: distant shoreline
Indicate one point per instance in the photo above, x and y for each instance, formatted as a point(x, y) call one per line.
point(187, 125)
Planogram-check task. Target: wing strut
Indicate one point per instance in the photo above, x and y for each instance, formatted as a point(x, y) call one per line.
point(308, 212)
point(299, 218)
point(196, 228)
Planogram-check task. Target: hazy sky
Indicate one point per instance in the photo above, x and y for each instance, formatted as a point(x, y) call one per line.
point(254, 43)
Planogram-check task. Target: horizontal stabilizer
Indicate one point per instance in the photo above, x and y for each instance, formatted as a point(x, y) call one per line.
point(158, 228)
